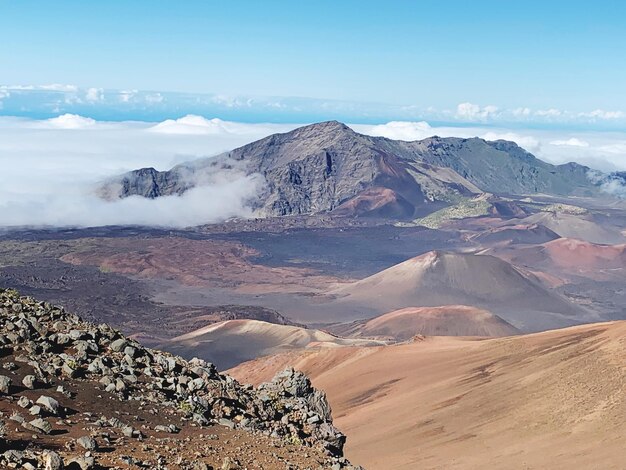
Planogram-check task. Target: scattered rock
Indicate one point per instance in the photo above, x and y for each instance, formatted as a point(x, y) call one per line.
point(81, 463)
point(49, 403)
point(40, 424)
point(169, 428)
point(87, 443)
point(57, 349)
point(29, 381)
point(230, 464)
point(52, 460)
point(5, 383)
point(23, 402)
point(118, 345)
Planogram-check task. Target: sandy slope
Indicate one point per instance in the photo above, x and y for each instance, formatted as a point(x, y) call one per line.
point(448, 320)
point(232, 342)
point(549, 400)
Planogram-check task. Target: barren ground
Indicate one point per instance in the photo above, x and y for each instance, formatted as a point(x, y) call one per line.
point(548, 400)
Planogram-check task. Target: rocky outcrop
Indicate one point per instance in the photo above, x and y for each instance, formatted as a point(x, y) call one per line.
point(326, 166)
point(59, 348)
point(503, 167)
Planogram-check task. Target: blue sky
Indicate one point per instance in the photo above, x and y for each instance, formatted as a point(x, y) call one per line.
point(533, 61)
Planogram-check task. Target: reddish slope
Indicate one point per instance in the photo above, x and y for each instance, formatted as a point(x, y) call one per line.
point(582, 255)
point(441, 278)
point(378, 202)
point(449, 320)
point(568, 258)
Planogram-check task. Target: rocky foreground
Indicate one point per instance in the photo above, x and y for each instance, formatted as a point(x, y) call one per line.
point(80, 396)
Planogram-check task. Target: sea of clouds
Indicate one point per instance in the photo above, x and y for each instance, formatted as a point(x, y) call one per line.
point(50, 167)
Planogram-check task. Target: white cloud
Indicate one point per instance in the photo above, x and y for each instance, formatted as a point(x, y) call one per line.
point(125, 96)
point(529, 143)
point(232, 102)
point(75, 205)
point(616, 148)
point(199, 125)
point(571, 142)
point(71, 121)
point(522, 112)
point(615, 187)
point(474, 112)
point(611, 184)
point(51, 87)
point(154, 98)
point(189, 124)
point(552, 112)
point(59, 87)
point(94, 95)
point(601, 114)
point(401, 130)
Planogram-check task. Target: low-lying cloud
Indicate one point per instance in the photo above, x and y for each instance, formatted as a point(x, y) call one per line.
point(50, 167)
point(198, 125)
point(571, 142)
point(80, 207)
point(612, 183)
point(70, 121)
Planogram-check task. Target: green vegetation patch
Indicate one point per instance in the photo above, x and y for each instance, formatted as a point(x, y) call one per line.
point(476, 207)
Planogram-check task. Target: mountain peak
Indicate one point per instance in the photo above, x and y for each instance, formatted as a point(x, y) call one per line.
point(325, 127)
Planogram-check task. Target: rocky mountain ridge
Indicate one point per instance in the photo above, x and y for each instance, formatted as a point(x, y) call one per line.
point(328, 167)
point(91, 380)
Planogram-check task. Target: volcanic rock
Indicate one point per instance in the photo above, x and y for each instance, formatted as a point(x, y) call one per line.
point(155, 385)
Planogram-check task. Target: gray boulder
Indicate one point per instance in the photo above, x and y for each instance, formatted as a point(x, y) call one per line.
point(41, 425)
point(29, 381)
point(49, 403)
point(87, 443)
point(52, 460)
point(5, 384)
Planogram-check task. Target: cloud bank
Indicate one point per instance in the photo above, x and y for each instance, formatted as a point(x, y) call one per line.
point(79, 207)
point(51, 167)
point(612, 183)
point(70, 121)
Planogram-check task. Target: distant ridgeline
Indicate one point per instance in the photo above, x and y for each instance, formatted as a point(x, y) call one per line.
point(328, 167)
